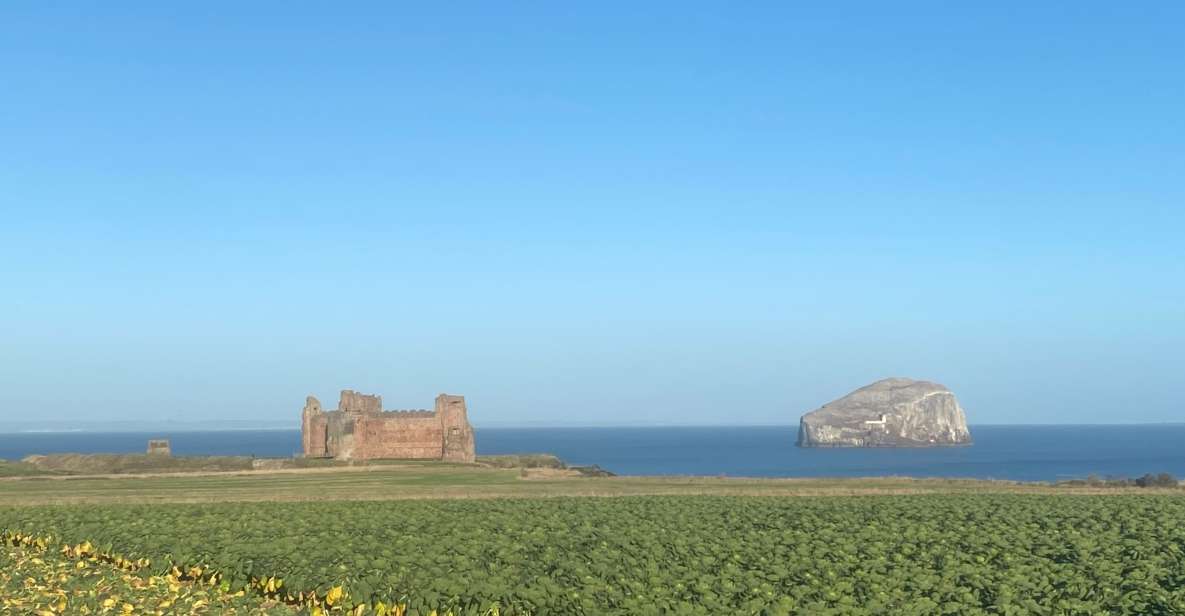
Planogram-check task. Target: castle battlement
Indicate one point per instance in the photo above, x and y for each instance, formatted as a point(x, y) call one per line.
point(409, 413)
point(359, 429)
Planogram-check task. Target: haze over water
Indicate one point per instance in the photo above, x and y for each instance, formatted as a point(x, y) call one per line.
point(1027, 453)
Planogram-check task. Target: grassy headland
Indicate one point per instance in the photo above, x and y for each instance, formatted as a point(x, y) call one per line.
point(417, 479)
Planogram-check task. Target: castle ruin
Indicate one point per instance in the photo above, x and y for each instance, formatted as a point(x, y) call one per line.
point(361, 430)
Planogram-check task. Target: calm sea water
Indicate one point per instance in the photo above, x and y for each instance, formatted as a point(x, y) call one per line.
point(1039, 453)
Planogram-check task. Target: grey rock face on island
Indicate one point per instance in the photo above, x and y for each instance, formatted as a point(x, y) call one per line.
point(888, 413)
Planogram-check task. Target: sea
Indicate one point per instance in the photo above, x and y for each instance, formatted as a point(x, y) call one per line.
point(1022, 453)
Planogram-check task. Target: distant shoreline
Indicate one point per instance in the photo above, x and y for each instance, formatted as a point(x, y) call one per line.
point(140, 430)
point(296, 428)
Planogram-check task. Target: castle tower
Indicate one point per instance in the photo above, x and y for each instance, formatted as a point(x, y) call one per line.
point(458, 434)
point(354, 402)
point(313, 429)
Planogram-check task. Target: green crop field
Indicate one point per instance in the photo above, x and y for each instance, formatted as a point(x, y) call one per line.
point(929, 554)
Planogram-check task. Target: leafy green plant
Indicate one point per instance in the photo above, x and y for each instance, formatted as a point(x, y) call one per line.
point(948, 554)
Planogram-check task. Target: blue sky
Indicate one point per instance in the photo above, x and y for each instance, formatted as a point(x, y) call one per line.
point(610, 214)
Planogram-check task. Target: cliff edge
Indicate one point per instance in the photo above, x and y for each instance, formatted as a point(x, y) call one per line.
point(889, 413)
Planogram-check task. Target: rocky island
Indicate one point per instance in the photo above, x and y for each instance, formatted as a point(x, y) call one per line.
point(889, 413)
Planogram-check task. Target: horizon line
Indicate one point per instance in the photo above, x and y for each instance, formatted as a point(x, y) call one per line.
point(553, 427)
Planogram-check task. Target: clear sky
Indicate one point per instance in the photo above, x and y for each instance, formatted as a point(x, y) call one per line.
point(597, 214)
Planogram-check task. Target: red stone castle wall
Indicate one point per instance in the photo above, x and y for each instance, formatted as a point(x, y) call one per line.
point(316, 437)
point(398, 437)
point(359, 430)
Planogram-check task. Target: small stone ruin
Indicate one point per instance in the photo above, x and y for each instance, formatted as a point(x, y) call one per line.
point(159, 447)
